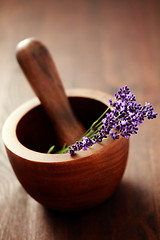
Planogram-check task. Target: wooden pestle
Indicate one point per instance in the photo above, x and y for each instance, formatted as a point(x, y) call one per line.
point(39, 68)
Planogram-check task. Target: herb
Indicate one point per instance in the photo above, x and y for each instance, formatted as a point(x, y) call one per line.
point(51, 149)
point(122, 118)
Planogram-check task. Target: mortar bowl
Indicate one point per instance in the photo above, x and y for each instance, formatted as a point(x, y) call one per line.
point(60, 181)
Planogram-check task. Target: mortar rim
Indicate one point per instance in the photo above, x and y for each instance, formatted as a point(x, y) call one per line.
point(12, 143)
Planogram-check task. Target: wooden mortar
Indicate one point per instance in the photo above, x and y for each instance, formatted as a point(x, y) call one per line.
point(59, 181)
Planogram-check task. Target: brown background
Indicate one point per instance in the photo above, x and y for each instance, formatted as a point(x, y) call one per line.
point(100, 45)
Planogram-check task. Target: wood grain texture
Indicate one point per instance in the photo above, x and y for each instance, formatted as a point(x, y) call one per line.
point(101, 45)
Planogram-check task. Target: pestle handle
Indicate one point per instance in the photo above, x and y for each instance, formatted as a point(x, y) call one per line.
point(39, 68)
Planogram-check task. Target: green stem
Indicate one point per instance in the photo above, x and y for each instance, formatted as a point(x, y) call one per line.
point(89, 133)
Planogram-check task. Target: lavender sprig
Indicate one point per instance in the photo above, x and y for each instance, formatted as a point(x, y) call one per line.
point(122, 118)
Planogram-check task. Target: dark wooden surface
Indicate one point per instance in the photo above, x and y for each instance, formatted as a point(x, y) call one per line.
point(100, 45)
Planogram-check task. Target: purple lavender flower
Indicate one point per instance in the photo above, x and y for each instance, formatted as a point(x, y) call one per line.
point(123, 119)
